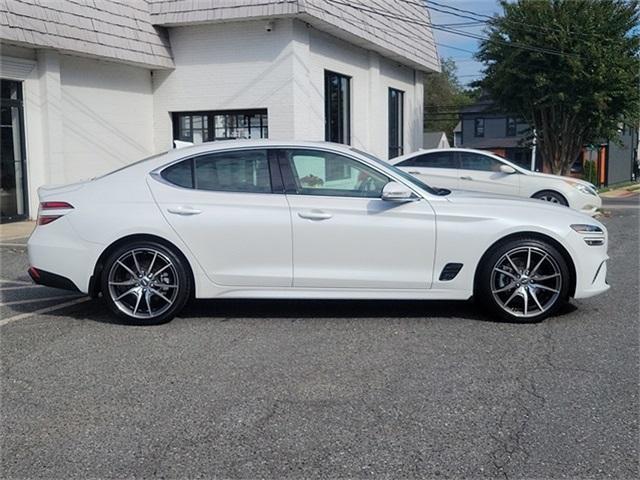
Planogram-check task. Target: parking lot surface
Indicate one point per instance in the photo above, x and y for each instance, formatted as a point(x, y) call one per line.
point(281, 389)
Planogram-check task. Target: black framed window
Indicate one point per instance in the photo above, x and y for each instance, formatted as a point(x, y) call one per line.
point(234, 171)
point(13, 178)
point(511, 127)
point(198, 127)
point(396, 123)
point(478, 127)
point(337, 107)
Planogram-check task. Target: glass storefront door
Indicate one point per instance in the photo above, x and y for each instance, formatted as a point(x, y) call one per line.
point(13, 182)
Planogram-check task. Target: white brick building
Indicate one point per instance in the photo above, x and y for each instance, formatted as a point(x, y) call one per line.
point(91, 85)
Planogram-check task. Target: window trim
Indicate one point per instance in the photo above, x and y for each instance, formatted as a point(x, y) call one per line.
point(327, 108)
point(476, 129)
point(399, 148)
point(210, 124)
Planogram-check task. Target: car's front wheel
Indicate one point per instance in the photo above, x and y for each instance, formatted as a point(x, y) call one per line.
point(523, 280)
point(145, 283)
point(551, 197)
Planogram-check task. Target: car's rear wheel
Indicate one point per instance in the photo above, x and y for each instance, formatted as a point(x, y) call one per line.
point(552, 197)
point(145, 283)
point(523, 280)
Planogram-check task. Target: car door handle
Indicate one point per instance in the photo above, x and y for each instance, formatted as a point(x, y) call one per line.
point(186, 211)
point(466, 178)
point(415, 173)
point(315, 215)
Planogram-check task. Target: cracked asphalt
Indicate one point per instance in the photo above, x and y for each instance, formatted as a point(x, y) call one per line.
point(277, 389)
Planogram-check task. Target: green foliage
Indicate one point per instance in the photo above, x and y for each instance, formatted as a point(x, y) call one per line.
point(590, 172)
point(444, 96)
point(574, 97)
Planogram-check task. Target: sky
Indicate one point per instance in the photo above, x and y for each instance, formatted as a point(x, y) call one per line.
point(468, 69)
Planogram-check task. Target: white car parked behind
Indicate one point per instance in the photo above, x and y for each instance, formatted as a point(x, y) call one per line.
point(481, 171)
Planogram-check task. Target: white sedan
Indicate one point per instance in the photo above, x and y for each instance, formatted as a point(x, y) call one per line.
point(481, 171)
point(305, 220)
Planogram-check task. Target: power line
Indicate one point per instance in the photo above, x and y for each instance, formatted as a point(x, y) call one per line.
point(429, 4)
point(387, 14)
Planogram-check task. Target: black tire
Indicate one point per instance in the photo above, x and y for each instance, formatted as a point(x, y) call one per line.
point(173, 283)
point(486, 280)
point(552, 197)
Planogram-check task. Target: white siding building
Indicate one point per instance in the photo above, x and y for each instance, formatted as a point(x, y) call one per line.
point(89, 86)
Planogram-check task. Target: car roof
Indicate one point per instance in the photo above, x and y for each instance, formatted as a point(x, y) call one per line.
point(238, 144)
point(422, 151)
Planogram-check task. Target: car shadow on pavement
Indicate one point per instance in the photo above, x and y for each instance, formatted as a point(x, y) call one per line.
point(230, 309)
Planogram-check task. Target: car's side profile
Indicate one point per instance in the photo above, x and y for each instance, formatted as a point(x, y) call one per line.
point(305, 220)
point(482, 171)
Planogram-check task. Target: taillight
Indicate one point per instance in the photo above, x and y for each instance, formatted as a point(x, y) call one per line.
point(55, 205)
point(46, 219)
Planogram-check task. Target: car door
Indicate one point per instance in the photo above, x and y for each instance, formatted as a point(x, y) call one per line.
point(345, 235)
point(226, 210)
point(481, 173)
point(437, 169)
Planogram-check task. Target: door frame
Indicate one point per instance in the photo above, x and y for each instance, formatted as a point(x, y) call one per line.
point(19, 104)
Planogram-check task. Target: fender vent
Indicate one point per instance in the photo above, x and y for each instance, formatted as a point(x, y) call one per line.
point(450, 271)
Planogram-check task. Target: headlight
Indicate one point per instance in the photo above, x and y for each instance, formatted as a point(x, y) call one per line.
point(586, 189)
point(586, 228)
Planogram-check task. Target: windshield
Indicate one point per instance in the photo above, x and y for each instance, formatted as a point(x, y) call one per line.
point(405, 175)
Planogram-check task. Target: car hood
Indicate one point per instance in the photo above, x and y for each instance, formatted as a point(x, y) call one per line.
point(559, 178)
point(506, 204)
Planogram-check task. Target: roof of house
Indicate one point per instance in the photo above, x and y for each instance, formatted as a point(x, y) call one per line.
point(115, 29)
point(134, 30)
point(433, 139)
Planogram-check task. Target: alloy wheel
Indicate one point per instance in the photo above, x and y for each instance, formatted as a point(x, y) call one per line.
point(143, 283)
point(549, 198)
point(526, 281)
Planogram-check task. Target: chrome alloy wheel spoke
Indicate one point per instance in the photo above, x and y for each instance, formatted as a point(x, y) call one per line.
point(144, 294)
point(526, 281)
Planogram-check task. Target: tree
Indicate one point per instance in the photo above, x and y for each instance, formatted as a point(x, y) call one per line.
point(570, 68)
point(443, 98)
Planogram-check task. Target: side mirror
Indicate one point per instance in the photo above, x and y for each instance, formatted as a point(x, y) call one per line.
point(397, 192)
point(508, 169)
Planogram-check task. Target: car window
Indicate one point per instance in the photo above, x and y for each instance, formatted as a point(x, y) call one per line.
point(325, 173)
point(431, 160)
point(235, 171)
point(180, 174)
point(477, 161)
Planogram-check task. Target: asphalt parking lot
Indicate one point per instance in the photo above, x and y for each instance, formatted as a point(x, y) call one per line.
point(276, 389)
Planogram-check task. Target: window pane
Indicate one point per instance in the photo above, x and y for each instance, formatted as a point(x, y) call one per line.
point(198, 127)
point(337, 108)
point(475, 161)
point(479, 127)
point(180, 174)
point(432, 160)
point(245, 171)
point(396, 114)
point(323, 173)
